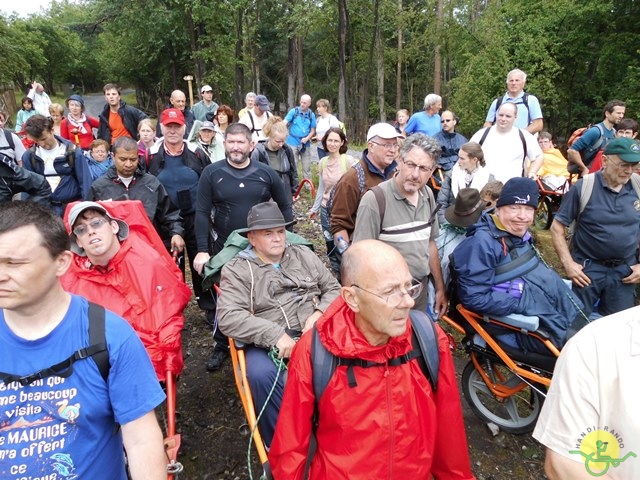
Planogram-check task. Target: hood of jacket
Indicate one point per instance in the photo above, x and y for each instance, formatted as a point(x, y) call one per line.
point(341, 337)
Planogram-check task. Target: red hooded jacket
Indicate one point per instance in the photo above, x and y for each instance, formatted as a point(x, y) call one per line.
point(390, 426)
point(142, 284)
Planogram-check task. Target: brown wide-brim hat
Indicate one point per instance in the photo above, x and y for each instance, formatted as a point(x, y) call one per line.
point(467, 208)
point(263, 216)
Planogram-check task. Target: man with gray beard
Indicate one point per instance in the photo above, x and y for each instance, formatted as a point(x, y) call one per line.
point(230, 188)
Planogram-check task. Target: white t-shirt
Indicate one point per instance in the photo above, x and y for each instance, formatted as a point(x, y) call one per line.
point(594, 395)
point(324, 124)
point(48, 156)
point(504, 153)
point(257, 125)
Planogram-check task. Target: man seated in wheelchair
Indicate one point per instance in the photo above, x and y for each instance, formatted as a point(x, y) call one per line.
point(499, 272)
point(268, 291)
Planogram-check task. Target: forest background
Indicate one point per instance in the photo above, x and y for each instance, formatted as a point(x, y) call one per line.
point(368, 57)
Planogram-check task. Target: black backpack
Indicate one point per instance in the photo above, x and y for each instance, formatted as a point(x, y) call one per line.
point(525, 102)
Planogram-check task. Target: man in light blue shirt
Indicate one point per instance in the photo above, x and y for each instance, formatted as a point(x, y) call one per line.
point(427, 121)
point(529, 111)
point(302, 128)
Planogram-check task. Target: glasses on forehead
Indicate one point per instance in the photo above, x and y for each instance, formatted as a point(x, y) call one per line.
point(387, 146)
point(421, 168)
point(394, 298)
point(95, 224)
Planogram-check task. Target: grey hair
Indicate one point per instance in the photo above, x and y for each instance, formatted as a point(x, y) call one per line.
point(519, 72)
point(249, 95)
point(431, 99)
point(428, 145)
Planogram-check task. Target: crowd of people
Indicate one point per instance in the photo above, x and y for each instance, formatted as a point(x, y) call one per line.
point(220, 190)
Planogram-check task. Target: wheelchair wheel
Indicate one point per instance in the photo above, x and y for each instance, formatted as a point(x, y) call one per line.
point(544, 214)
point(516, 413)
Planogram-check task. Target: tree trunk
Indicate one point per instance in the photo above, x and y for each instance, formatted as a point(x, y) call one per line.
point(239, 70)
point(291, 72)
point(342, 42)
point(437, 61)
point(380, 66)
point(299, 69)
point(399, 64)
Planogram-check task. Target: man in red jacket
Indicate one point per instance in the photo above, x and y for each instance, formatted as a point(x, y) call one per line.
point(389, 423)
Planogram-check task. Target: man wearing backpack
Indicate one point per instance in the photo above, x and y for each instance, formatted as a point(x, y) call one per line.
point(378, 163)
point(586, 148)
point(257, 117)
point(70, 418)
point(402, 213)
point(378, 413)
point(602, 260)
point(529, 113)
point(302, 128)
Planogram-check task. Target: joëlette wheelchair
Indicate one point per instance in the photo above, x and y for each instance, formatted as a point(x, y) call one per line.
point(550, 200)
point(239, 364)
point(501, 383)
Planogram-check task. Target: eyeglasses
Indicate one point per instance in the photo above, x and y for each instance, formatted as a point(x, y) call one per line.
point(422, 168)
point(447, 120)
point(622, 165)
point(82, 230)
point(387, 146)
point(394, 299)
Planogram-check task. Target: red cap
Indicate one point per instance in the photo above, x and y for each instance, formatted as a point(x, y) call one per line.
point(172, 115)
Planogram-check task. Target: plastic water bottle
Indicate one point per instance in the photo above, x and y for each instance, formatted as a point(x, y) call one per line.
point(341, 244)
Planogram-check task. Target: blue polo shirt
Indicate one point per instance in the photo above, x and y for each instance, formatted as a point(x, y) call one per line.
point(422, 122)
point(522, 120)
point(608, 227)
point(300, 124)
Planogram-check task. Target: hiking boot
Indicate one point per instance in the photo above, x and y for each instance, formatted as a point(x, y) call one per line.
point(216, 360)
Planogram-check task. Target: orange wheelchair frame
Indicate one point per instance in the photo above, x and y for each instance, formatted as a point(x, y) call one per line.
point(501, 386)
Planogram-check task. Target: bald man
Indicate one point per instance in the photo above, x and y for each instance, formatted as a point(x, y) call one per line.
point(178, 100)
point(370, 322)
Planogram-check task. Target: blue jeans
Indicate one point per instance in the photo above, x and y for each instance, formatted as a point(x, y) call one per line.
point(261, 374)
point(606, 286)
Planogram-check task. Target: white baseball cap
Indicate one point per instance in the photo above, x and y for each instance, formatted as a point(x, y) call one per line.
point(383, 130)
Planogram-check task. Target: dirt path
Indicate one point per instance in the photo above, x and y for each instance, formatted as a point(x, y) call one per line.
point(213, 427)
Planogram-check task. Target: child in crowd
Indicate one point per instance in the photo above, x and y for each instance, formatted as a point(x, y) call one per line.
point(24, 114)
point(147, 133)
point(402, 117)
point(490, 193)
point(99, 158)
point(56, 112)
point(554, 171)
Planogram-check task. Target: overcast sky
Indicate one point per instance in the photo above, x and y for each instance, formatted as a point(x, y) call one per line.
point(22, 7)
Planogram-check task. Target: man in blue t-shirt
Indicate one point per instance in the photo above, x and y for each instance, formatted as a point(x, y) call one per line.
point(585, 150)
point(602, 261)
point(529, 112)
point(302, 128)
point(427, 121)
point(65, 423)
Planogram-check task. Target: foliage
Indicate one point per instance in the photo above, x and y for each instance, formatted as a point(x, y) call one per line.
point(578, 55)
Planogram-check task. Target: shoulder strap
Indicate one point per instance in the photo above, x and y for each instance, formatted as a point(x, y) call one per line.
point(345, 164)
point(253, 125)
point(601, 140)
point(524, 148)
point(97, 349)
point(498, 103)
point(323, 364)
point(97, 337)
point(588, 182)
point(9, 136)
point(360, 173)
point(381, 201)
point(525, 102)
point(484, 135)
point(425, 339)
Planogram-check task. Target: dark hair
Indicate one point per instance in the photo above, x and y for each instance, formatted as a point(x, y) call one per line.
point(26, 99)
point(125, 143)
point(343, 137)
point(474, 150)
point(111, 86)
point(17, 214)
point(35, 126)
point(608, 108)
point(238, 129)
point(225, 109)
point(627, 124)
